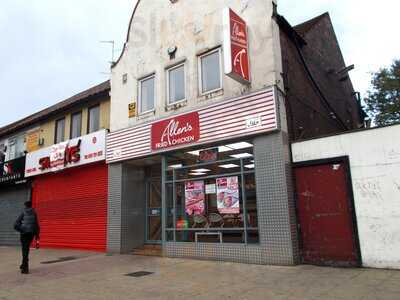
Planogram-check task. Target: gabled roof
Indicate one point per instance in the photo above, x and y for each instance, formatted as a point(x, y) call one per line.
point(86, 96)
point(303, 28)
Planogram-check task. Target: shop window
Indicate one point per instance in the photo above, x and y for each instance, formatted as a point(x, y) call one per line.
point(76, 125)
point(60, 131)
point(94, 119)
point(176, 84)
point(146, 94)
point(211, 195)
point(210, 76)
point(16, 147)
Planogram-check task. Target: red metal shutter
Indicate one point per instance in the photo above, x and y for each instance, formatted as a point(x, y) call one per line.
point(72, 208)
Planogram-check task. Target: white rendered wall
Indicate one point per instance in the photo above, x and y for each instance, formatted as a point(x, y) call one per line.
point(193, 26)
point(375, 169)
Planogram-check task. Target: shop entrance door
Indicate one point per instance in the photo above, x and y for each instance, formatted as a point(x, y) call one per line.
point(153, 211)
point(326, 214)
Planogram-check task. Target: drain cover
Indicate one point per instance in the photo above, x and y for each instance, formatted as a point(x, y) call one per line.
point(139, 274)
point(61, 259)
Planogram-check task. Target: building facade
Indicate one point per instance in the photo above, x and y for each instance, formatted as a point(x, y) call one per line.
point(62, 154)
point(190, 169)
point(366, 162)
point(201, 121)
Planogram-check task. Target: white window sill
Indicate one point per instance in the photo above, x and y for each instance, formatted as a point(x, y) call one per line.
point(176, 105)
point(211, 94)
point(146, 114)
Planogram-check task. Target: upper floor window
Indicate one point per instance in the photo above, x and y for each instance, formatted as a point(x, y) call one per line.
point(76, 125)
point(146, 94)
point(94, 119)
point(176, 84)
point(2, 153)
point(16, 147)
point(60, 131)
point(210, 75)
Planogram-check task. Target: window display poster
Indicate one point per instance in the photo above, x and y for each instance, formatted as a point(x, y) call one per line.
point(194, 197)
point(228, 195)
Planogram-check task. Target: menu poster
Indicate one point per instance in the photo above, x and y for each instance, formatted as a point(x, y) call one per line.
point(228, 195)
point(194, 197)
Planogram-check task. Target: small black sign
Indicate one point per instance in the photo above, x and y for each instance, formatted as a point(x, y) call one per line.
point(12, 172)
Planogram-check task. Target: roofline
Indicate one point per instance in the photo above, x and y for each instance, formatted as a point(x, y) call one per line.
point(127, 35)
point(55, 109)
point(344, 133)
point(315, 20)
point(285, 26)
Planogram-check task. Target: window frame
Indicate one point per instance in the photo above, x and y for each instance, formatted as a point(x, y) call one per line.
point(140, 82)
point(88, 118)
point(242, 173)
point(71, 125)
point(55, 131)
point(168, 71)
point(200, 71)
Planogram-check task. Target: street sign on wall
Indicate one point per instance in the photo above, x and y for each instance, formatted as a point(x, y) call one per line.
point(236, 47)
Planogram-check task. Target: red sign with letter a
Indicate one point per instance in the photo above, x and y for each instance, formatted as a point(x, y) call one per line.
point(236, 49)
point(180, 130)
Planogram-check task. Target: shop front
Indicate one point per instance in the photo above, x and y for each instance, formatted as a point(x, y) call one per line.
point(211, 183)
point(69, 192)
point(14, 191)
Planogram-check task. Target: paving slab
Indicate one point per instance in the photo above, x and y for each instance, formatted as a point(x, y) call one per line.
point(92, 275)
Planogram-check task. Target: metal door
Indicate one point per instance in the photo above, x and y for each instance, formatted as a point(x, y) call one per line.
point(11, 205)
point(72, 208)
point(326, 215)
point(153, 211)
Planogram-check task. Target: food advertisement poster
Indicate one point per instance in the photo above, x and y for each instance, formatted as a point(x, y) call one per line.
point(194, 197)
point(228, 195)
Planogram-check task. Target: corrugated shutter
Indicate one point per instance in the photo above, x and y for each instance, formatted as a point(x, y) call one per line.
point(11, 205)
point(72, 208)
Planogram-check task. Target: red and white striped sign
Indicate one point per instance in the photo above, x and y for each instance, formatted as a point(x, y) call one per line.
point(242, 116)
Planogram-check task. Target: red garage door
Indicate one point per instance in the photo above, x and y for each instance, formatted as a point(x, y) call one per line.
point(325, 213)
point(72, 208)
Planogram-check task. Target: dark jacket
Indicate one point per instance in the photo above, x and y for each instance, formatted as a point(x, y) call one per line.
point(27, 222)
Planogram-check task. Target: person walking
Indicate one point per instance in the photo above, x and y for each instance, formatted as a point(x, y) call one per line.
point(27, 224)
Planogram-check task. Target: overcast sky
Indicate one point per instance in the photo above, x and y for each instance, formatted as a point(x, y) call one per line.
point(51, 49)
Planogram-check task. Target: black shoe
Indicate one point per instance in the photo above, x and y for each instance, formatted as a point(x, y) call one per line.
point(24, 271)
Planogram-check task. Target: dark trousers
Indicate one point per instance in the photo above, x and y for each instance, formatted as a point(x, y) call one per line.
point(26, 240)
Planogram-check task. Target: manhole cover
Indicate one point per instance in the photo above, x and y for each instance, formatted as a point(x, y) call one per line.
point(139, 274)
point(61, 259)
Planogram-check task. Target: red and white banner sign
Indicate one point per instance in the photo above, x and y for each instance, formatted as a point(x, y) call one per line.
point(180, 130)
point(76, 152)
point(236, 47)
point(194, 197)
point(228, 195)
point(233, 118)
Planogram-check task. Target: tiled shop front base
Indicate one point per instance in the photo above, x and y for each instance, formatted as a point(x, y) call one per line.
point(252, 254)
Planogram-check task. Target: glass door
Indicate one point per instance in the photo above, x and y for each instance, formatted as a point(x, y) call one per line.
point(153, 211)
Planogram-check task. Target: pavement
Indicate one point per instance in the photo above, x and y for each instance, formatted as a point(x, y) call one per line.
point(88, 275)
